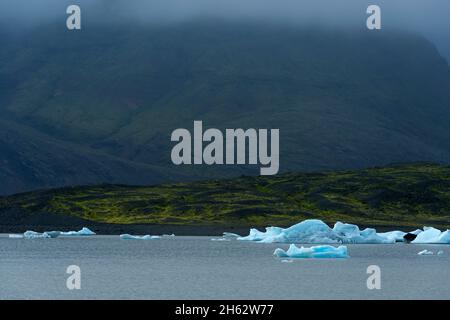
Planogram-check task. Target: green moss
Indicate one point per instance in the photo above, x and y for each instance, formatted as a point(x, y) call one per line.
point(408, 195)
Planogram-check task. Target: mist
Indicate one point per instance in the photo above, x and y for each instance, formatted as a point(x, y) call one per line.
point(430, 17)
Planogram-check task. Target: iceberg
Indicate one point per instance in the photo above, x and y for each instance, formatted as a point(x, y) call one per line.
point(131, 237)
point(55, 234)
point(425, 253)
point(230, 235)
point(432, 235)
point(16, 236)
point(350, 233)
point(316, 231)
point(394, 236)
point(37, 235)
point(83, 232)
point(416, 232)
point(169, 235)
point(220, 239)
point(315, 252)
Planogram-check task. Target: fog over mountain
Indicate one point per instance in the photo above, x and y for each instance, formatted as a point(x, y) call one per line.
point(99, 105)
point(427, 17)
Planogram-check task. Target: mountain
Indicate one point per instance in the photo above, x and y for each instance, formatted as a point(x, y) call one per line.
point(108, 97)
point(32, 160)
point(406, 196)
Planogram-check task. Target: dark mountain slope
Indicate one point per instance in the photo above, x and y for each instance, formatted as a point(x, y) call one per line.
point(341, 99)
point(31, 160)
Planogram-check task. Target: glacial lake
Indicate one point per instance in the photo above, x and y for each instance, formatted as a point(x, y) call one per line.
point(198, 268)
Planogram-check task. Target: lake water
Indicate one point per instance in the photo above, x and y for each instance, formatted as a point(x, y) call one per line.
point(198, 268)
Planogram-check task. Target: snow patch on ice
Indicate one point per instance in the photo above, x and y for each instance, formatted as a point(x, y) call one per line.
point(325, 251)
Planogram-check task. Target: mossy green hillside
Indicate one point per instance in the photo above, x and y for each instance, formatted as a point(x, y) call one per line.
point(403, 195)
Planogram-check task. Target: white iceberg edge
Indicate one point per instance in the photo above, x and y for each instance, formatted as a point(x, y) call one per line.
point(425, 253)
point(127, 236)
point(220, 239)
point(83, 232)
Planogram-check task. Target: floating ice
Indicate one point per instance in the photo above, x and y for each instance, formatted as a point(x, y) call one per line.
point(220, 239)
point(432, 235)
point(169, 235)
point(54, 234)
point(131, 237)
point(16, 236)
point(36, 235)
point(425, 253)
point(350, 233)
point(394, 236)
point(316, 231)
point(83, 232)
point(440, 253)
point(230, 235)
point(324, 251)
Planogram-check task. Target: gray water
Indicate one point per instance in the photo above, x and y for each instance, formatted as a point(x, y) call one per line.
point(198, 268)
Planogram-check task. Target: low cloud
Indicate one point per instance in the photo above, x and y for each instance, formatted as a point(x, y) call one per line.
point(428, 17)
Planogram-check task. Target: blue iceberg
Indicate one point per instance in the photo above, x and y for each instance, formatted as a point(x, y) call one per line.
point(53, 234)
point(83, 232)
point(315, 252)
point(316, 231)
point(432, 235)
point(44, 235)
point(394, 236)
point(131, 237)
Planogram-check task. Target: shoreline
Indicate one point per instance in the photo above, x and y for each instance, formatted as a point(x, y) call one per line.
point(18, 221)
point(113, 229)
point(142, 229)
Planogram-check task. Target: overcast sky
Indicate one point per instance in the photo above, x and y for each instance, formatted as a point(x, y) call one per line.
point(429, 17)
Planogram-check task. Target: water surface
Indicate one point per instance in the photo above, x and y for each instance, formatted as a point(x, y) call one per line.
point(198, 268)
